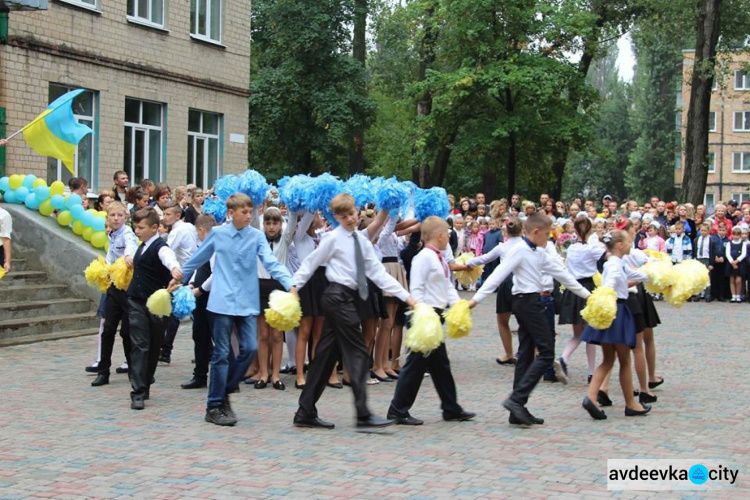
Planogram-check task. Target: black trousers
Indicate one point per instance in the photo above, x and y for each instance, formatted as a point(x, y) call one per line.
point(719, 282)
point(202, 339)
point(115, 312)
point(146, 335)
point(533, 330)
point(168, 344)
point(342, 336)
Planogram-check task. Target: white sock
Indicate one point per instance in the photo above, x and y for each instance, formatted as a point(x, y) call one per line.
point(291, 347)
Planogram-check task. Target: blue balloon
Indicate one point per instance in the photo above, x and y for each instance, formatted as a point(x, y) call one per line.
point(87, 219)
point(4, 184)
point(57, 201)
point(9, 196)
point(77, 211)
point(73, 200)
point(41, 192)
point(31, 201)
point(22, 193)
point(98, 224)
point(28, 181)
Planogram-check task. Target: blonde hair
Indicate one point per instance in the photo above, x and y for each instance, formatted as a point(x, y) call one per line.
point(239, 200)
point(432, 226)
point(342, 203)
point(118, 205)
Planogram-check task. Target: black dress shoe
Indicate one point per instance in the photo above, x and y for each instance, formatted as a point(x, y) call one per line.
point(92, 368)
point(518, 412)
point(595, 412)
point(313, 422)
point(165, 359)
point(629, 412)
point(509, 361)
point(382, 379)
point(101, 379)
point(260, 384)
point(459, 417)
point(136, 402)
point(121, 370)
point(337, 385)
point(407, 420)
point(193, 384)
point(297, 385)
point(603, 399)
point(346, 382)
point(374, 421)
point(653, 385)
point(279, 385)
point(535, 420)
point(646, 398)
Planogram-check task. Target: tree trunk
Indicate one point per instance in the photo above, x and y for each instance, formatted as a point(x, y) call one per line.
point(440, 167)
point(359, 52)
point(420, 168)
point(701, 80)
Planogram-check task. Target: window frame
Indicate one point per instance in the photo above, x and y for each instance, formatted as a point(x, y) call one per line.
point(145, 128)
point(194, 28)
point(146, 21)
point(84, 5)
point(193, 138)
point(746, 121)
point(713, 200)
point(743, 155)
point(710, 164)
point(745, 79)
point(741, 197)
point(712, 114)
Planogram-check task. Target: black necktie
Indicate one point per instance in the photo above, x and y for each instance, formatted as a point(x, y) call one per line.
point(139, 252)
point(359, 260)
point(703, 247)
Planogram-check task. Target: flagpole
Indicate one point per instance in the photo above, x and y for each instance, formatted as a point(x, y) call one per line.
point(32, 122)
point(11, 136)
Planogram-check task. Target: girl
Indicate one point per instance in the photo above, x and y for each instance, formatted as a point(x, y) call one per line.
point(458, 226)
point(653, 241)
point(597, 231)
point(620, 337)
point(472, 242)
point(735, 254)
point(196, 206)
point(581, 262)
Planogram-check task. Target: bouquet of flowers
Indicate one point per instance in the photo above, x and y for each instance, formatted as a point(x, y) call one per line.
point(564, 241)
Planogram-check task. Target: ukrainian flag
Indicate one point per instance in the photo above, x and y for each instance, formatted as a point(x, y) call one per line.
point(56, 132)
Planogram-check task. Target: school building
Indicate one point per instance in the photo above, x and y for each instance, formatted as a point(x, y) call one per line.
point(729, 128)
point(166, 86)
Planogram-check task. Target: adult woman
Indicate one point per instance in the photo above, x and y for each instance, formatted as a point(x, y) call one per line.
point(688, 224)
point(162, 197)
point(562, 210)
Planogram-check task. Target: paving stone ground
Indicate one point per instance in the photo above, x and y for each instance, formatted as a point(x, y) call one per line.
point(61, 438)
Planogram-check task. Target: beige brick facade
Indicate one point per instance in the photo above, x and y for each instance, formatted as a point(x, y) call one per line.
point(105, 51)
point(726, 181)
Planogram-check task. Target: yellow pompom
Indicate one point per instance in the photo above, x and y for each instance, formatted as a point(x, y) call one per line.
point(425, 333)
point(597, 279)
point(458, 319)
point(160, 303)
point(2, 273)
point(690, 278)
point(284, 312)
point(601, 308)
point(467, 278)
point(661, 276)
point(97, 274)
point(657, 255)
point(120, 274)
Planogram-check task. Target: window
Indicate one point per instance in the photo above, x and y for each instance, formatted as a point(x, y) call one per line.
point(741, 162)
point(712, 121)
point(143, 140)
point(86, 4)
point(742, 121)
point(741, 80)
point(204, 131)
point(711, 162)
point(740, 197)
point(709, 201)
point(205, 19)
point(149, 12)
point(84, 109)
point(678, 160)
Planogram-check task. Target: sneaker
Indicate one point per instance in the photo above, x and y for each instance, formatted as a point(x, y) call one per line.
point(560, 373)
point(551, 378)
point(227, 407)
point(219, 416)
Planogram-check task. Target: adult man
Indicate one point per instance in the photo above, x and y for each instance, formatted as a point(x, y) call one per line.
point(79, 186)
point(480, 199)
point(515, 199)
point(121, 185)
point(661, 213)
point(732, 212)
point(543, 200)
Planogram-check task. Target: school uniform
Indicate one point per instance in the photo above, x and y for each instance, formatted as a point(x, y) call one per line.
point(504, 293)
point(280, 248)
point(719, 281)
point(702, 249)
point(735, 251)
point(304, 245)
point(581, 262)
point(644, 311)
point(430, 283)
point(202, 344)
point(527, 262)
point(492, 239)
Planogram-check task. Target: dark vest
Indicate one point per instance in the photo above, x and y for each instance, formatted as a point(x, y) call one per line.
point(149, 274)
point(202, 274)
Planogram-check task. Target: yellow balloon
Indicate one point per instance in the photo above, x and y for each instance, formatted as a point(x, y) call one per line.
point(56, 187)
point(93, 211)
point(16, 181)
point(64, 218)
point(39, 182)
point(46, 208)
point(88, 233)
point(102, 214)
point(78, 227)
point(99, 239)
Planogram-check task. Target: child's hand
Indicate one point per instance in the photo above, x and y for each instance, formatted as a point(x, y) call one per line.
point(129, 261)
point(411, 302)
point(177, 273)
point(294, 293)
point(472, 304)
point(197, 292)
point(173, 285)
point(710, 268)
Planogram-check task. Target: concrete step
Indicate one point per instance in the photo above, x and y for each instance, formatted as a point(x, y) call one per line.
point(22, 277)
point(47, 307)
point(18, 265)
point(23, 327)
point(19, 292)
point(43, 337)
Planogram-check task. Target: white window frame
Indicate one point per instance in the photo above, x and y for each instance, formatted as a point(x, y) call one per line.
point(709, 204)
point(712, 114)
point(84, 4)
point(740, 197)
point(195, 5)
point(743, 77)
point(744, 156)
point(745, 127)
point(193, 138)
point(138, 18)
point(141, 127)
point(711, 162)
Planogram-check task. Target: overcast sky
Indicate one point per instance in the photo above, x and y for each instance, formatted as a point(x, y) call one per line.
point(625, 58)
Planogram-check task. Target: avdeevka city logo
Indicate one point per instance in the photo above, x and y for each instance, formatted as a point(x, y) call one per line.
point(698, 474)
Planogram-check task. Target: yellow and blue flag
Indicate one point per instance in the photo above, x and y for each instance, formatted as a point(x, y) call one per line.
point(56, 132)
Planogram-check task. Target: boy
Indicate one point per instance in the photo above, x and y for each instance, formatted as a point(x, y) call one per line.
point(703, 253)
point(429, 283)
point(200, 283)
point(349, 259)
point(717, 264)
point(233, 301)
point(528, 260)
point(679, 245)
point(122, 242)
point(153, 264)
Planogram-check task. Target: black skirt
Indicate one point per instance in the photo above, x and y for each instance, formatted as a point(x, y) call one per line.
point(311, 293)
point(634, 304)
point(504, 300)
point(267, 286)
point(571, 304)
point(650, 315)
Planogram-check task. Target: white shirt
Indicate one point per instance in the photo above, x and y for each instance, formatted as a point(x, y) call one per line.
point(581, 259)
point(304, 244)
point(676, 247)
point(388, 241)
point(336, 252)
point(6, 224)
point(527, 263)
point(183, 240)
point(280, 248)
point(728, 251)
point(428, 282)
point(500, 251)
point(548, 282)
point(166, 255)
point(616, 275)
point(705, 242)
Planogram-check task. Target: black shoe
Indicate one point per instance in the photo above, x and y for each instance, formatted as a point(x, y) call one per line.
point(513, 420)
point(312, 422)
point(165, 359)
point(653, 385)
point(219, 417)
point(346, 382)
point(563, 366)
point(337, 385)
point(637, 413)
point(603, 399)
point(227, 407)
point(120, 370)
point(518, 412)
point(298, 385)
point(595, 412)
point(509, 361)
point(646, 398)
point(92, 368)
point(279, 385)
point(101, 379)
point(588, 379)
point(288, 369)
point(136, 402)
point(459, 417)
point(374, 421)
point(709, 299)
point(550, 378)
point(194, 384)
point(392, 377)
point(147, 394)
point(260, 384)
point(407, 420)
point(382, 379)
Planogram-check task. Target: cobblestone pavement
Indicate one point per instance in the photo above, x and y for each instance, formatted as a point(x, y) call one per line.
point(61, 438)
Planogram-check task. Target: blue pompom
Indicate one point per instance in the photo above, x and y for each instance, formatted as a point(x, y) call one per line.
point(183, 302)
point(391, 194)
point(254, 185)
point(322, 191)
point(294, 191)
point(361, 188)
point(429, 202)
point(226, 186)
point(215, 207)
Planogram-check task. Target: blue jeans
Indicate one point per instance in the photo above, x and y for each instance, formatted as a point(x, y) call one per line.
point(549, 310)
point(226, 370)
